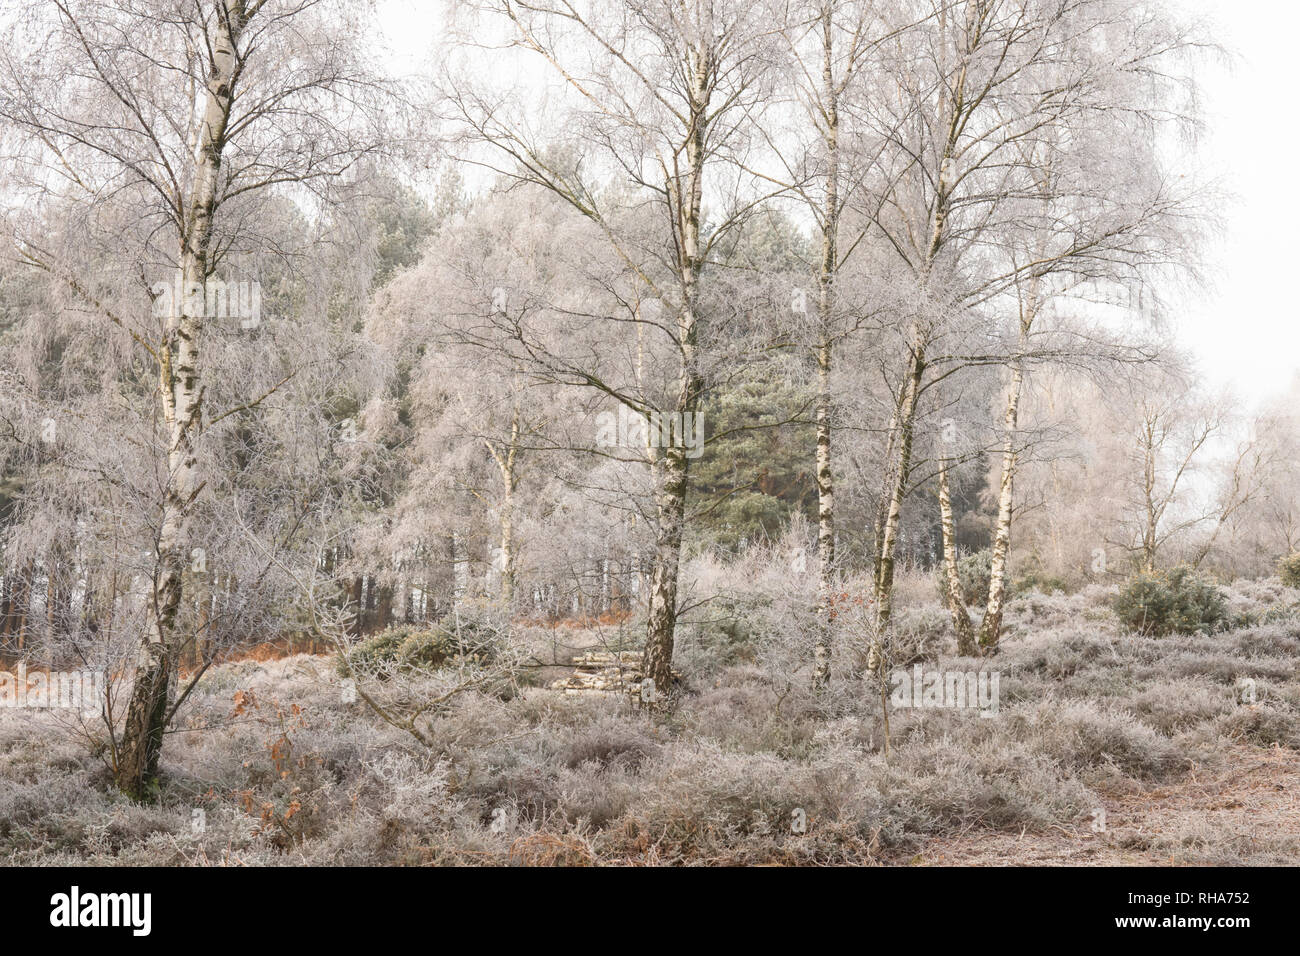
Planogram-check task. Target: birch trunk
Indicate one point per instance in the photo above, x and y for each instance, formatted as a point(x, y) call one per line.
point(182, 404)
point(898, 491)
point(507, 592)
point(663, 579)
point(1150, 445)
point(991, 626)
point(825, 520)
point(825, 354)
point(201, 638)
point(687, 200)
point(507, 464)
point(961, 621)
point(886, 489)
point(910, 394)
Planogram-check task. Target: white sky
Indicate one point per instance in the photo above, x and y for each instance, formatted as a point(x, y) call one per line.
point(1245, 326)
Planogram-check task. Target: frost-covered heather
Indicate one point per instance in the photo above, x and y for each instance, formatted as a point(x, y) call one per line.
point(285, 771)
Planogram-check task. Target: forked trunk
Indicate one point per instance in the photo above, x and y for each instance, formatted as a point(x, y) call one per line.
point(991, 627)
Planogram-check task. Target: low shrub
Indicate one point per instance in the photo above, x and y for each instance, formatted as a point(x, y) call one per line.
point(1288, 569)
point(1177, 601)
point(410, 648)
point(732, 625)
point(1040, 581)
point(375, 652)
point(426, 650)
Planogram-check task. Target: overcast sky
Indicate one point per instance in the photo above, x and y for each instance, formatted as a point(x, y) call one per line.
point(1245, 327)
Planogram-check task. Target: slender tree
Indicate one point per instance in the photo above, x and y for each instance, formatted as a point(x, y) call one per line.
point(975, 92)
point(662, 94)
point(189, 109)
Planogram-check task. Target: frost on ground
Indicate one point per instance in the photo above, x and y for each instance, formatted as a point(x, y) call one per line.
point(1107, 747)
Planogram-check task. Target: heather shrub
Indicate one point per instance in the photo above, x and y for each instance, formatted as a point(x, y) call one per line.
point(608, 743)
point(1174, 706)
point(1033, 612)
point(1040, 581)
point(1066, 653)
point(1288, 569)
point(917, 634)
point(594, 795)
point(750, 717)
point(704, 795)
point(944, 784)
point(1201, 840)
point(1083, 736)
point(1177, 601)
point(1262, 724)
point(1277, 640)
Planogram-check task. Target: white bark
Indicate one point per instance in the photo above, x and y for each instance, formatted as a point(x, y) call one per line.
point(182, 404)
